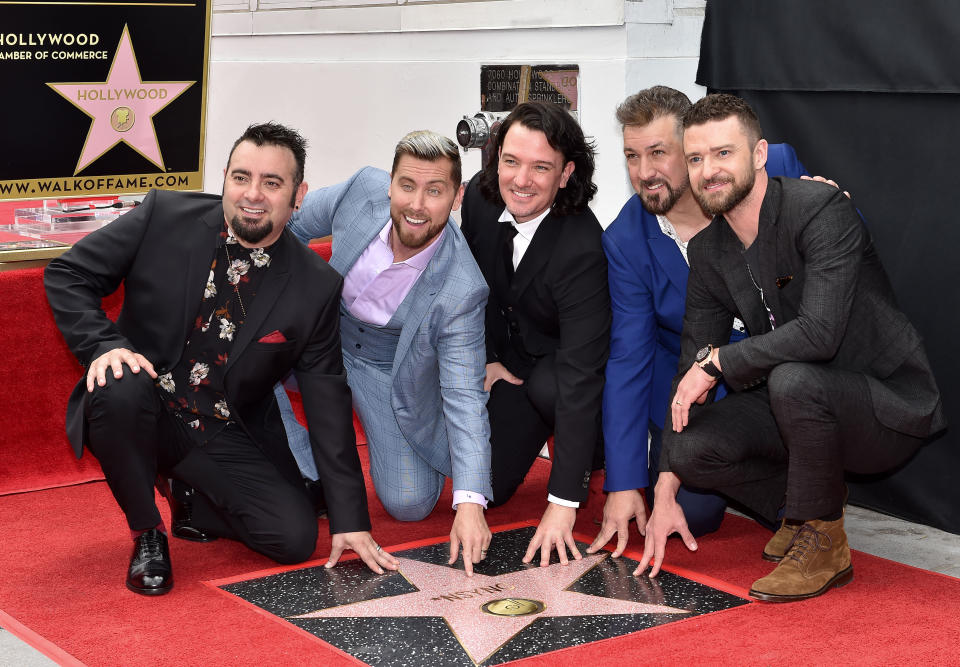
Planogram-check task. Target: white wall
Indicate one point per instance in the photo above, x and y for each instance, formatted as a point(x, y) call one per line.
point(354, 79)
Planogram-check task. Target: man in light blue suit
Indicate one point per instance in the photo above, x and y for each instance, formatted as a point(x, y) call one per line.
point(647, 264)
point(412, 336)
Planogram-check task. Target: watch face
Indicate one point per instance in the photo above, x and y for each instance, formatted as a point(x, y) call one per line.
point(703, 353)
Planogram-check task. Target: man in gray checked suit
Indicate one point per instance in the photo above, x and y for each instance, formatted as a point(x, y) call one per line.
point(832, 376)
point(412, 334)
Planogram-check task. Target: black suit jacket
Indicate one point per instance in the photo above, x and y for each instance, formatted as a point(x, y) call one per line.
point(832, 301)
point(557, 302)
point(162, 251)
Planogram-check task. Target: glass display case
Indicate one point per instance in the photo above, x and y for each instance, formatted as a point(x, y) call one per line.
point(38, 233)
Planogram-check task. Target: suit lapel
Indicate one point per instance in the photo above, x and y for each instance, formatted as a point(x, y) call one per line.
point(538, 254)
point(767, 238)
point(666, 253)
point(200, 256)
point(350, 242)
point(270, 290)
point(415, 305)
point(734, 270)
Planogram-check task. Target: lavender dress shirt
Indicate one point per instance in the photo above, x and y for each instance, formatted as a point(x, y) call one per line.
point(375, 286)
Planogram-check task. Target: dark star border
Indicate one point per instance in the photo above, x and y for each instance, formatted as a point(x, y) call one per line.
point(403, 642)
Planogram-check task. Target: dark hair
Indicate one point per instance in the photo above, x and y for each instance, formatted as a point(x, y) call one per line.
point(564, 135)
point(652, 103)
point(720, 106)
point(275, 134)
point(429, 146)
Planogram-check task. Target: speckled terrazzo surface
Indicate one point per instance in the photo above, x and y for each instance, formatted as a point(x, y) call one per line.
point(431, 613)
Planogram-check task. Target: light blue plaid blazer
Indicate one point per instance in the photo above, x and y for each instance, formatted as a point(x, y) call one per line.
point(437, 393)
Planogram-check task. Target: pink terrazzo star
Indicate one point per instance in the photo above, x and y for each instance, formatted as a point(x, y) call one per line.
point(122, 107)
point(451, 594)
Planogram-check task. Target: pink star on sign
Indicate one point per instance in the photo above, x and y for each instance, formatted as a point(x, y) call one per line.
point(451, 594)
point(122, 107)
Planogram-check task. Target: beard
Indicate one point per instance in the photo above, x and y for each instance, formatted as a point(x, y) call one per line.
point(721, 204)
point(414, 239)
point(250, 231)
point(657, 205)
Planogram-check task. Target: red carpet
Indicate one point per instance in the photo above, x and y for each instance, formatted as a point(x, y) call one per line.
point(38, 373)
point(63, 553)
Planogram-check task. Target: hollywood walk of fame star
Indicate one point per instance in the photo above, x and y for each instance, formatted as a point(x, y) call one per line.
point(122, 107)
point(457, 598)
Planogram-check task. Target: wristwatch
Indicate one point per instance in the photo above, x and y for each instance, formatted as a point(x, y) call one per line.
point(704, 360)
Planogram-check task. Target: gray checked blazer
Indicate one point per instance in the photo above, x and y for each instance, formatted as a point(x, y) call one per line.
point(833, 304)
point(437, 393)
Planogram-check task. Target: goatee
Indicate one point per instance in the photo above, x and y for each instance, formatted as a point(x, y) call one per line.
point(661, 205)
point(250, 231)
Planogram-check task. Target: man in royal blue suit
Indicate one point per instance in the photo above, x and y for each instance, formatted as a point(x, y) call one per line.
point(646, 254)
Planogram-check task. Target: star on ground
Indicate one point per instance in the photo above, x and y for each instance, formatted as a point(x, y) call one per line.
point(458, 598)
point(430, 613)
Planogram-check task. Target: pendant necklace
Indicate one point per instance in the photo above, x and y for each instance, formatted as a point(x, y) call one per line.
point(226, 246)
point(773, 321)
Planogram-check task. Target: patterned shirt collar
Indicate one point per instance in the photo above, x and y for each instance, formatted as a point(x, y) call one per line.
point(668, 230)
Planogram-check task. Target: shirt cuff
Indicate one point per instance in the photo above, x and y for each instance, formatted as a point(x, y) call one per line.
point(468, 497)
point(560, 501)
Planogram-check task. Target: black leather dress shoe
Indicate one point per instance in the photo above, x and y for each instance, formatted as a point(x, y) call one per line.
point(180, 498)
point(150, 572)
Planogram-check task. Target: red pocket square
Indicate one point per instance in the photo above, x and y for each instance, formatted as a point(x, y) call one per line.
point(273, 337)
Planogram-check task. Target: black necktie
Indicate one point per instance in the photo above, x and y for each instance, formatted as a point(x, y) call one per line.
point(508, 235)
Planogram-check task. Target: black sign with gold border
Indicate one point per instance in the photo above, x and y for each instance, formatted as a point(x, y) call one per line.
point(105, 97)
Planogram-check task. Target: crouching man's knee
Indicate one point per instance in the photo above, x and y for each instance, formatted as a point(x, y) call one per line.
point(797, 382)
point(410, 512)
point(690, 456)
point(287, 535)
point(296, 544)
point(410, 506)
point(121, 399)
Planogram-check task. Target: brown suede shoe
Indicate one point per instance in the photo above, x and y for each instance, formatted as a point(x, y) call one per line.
point(780, 543)
point(817, 560)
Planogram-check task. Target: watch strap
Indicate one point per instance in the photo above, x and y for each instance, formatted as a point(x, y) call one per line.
point(711, 369)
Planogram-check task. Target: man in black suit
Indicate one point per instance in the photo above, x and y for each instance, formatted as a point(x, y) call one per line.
point(526, 218)
point(832, 377)
point(220, 303)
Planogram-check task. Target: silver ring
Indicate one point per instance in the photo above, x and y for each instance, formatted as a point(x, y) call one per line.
point(379, 548)
point(678, 402)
